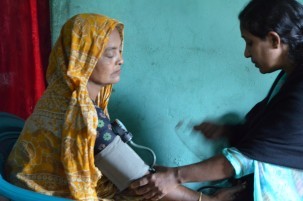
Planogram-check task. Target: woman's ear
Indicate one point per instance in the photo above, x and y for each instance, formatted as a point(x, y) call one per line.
point(274, 39)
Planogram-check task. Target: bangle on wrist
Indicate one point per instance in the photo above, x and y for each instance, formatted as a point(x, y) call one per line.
point(200, 196)
point(177, 175)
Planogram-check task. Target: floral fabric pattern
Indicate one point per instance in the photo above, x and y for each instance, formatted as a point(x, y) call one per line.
point(105, 134)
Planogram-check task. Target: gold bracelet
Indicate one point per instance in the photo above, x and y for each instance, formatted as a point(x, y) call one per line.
point(201, 196)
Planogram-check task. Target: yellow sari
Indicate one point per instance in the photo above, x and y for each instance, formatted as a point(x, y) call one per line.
point(54, 153)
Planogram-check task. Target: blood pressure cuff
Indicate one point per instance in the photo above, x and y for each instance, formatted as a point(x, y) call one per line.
point(120, 163)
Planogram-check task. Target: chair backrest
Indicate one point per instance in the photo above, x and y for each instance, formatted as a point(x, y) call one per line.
point(7, 141)
point(10, 122)
point(10, 128)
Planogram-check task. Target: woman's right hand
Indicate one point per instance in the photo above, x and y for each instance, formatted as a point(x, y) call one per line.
point(212, 130)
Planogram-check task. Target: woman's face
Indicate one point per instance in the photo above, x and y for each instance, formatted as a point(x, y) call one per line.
point(108, 67)
point(266, 53)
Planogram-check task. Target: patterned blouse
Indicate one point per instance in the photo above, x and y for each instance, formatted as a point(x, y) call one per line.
point(105, 134)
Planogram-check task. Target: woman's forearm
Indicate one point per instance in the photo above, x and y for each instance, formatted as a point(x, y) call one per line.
point(166, 180)
point(215, 168)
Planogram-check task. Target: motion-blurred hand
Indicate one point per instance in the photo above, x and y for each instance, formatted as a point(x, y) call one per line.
point(212, 130)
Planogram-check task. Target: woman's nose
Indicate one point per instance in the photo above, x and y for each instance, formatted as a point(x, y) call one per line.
point(120, 61)
point(247, 53)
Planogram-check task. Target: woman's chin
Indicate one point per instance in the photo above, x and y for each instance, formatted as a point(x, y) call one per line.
point(116, 80)
point(263, 71)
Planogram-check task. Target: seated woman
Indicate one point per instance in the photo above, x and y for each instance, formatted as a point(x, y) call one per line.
point(55, 153)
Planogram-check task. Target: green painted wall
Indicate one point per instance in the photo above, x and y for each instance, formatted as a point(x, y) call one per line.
point(184, 61)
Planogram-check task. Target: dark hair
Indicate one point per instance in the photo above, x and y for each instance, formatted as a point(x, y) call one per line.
point(285, 17)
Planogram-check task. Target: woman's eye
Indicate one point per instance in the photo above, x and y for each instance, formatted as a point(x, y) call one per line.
point(249, 43)
point(109, 55)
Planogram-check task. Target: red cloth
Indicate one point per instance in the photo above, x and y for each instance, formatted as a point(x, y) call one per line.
point(24, 49)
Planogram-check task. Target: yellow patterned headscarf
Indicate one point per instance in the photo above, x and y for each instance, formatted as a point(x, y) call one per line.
point(54, 153)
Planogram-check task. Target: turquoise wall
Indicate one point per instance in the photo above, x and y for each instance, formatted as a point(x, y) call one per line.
point(184, 61)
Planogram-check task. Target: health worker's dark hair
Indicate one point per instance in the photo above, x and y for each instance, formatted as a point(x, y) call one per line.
point(285, 17)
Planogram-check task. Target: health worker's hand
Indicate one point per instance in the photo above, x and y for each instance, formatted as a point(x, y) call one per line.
point(212, 130)
point(155, 186)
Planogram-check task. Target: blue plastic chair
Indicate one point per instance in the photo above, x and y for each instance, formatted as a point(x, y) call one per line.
point(10, 128)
